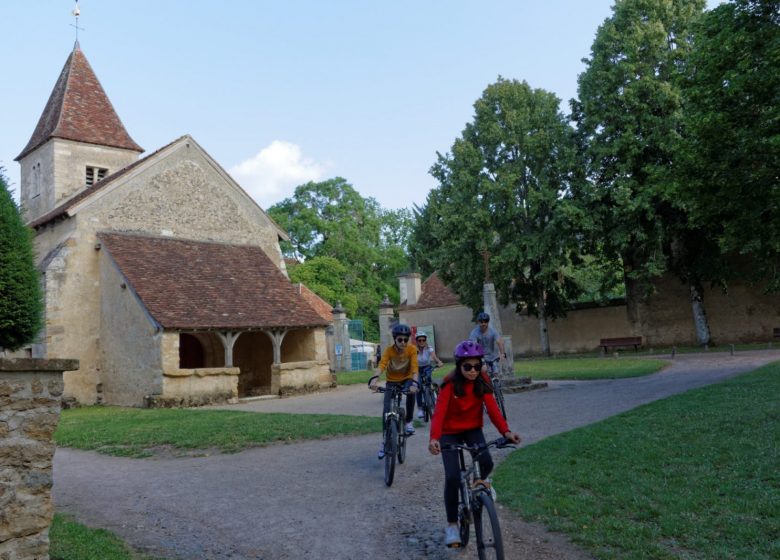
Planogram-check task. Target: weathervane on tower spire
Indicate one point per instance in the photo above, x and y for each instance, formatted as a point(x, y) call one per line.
point(76, 13)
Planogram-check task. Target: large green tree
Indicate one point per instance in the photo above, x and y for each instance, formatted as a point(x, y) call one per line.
point(504, 192)
point(21, 305)
point(334, 230)
point(729, 157)
point(628, 115)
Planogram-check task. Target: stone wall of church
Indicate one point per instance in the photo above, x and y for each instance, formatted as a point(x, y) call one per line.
point(130, 342)
point(67, 256)
point(183, 195)
point(57, 170)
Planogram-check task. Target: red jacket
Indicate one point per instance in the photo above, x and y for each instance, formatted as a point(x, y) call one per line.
point(455, 414)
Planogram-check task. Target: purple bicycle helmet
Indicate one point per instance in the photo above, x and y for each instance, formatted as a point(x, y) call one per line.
point(468, 349)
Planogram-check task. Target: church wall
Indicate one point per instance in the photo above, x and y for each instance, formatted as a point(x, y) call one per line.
point(183, 195)
point(57, 170)
point(69, 261)
point(130, 344)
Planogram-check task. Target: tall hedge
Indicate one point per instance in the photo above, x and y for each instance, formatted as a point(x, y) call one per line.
point(21, 304)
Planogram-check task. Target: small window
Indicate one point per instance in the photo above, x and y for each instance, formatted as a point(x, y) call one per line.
point(95, 174)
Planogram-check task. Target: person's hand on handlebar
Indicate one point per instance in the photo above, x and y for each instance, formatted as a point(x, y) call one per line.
point(434, 447)
point(373, 384)
point(513, 437)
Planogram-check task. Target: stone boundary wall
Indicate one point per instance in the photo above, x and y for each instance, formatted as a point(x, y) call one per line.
point(30, 398)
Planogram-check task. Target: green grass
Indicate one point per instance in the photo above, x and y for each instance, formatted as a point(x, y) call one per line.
point(587, 368)
point(354, 377)
point(72, 541)
point(694, 476)
point(136, 432)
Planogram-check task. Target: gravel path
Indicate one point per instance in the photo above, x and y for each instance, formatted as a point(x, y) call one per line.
point(326, 499)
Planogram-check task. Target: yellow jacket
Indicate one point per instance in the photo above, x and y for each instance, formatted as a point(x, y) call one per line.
point(399, 366)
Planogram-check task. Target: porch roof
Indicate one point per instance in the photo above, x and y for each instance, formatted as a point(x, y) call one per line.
point(187, 284)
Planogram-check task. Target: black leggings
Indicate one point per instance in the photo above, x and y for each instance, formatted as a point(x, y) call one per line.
point(388, 400)
point(451, 459)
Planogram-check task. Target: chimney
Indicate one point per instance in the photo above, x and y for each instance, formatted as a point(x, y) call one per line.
point(410, 287)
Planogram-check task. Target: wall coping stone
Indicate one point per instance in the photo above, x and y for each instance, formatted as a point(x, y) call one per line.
point(36, 365)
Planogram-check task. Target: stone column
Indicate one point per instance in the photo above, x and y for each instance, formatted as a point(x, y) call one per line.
point(30, 399)
point(490, 305)
point(341, 338)
point(385, 323)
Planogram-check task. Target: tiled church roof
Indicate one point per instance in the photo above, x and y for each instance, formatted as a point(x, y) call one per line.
point(434, 293)
point(198, 285)
point(79, 109)
point(322, 307)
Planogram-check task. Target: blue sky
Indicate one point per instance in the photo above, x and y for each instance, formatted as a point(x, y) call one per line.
point(280, 93)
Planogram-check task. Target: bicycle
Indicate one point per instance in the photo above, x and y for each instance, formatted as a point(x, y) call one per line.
point(394, 434)
point(476, 502)
point(495, 380)
point(428, 392)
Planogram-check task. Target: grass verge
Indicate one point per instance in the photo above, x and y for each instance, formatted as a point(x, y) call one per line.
point(73, 541)
point(587, 368)
point(693, 476)
point(135, 432)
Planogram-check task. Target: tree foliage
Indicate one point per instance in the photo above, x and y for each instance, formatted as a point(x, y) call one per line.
point(347, 246)
point(505, 188)
point(21, 305)
point(729, 163)
point(628, 115)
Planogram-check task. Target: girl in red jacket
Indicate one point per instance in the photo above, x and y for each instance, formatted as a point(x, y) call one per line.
point(464, 394)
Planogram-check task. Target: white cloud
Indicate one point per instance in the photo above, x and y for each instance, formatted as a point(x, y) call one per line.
point(273, 173)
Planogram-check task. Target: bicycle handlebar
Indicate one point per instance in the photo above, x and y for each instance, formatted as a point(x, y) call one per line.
point(385, 389)
point(499, 443)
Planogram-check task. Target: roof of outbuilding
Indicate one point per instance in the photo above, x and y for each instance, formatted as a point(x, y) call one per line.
point(434, 293)
point(78, 109)
point(188, 284)
point(322, 307)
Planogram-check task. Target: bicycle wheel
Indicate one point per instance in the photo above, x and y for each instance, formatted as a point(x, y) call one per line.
point(463, 520)
point(391, 443)
point(427, 400)
point(488, 532)
point(401, 446)
point(499, 394)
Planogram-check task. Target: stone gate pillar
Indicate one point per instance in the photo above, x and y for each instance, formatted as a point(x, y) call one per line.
point(340, 339)
point(30, 399)
point(385, 323)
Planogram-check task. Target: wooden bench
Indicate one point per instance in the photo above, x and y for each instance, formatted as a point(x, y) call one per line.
point(622, 342)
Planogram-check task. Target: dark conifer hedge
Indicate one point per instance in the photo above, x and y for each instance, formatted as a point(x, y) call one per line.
point(21, 304)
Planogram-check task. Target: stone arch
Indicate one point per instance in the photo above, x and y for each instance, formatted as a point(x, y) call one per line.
point(200, 350)
point(253, 354)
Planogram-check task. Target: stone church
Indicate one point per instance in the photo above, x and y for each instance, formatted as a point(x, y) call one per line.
point(161, 275)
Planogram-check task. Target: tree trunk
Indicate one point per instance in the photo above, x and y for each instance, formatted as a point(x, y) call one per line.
point(544, 337)
point(703, 335)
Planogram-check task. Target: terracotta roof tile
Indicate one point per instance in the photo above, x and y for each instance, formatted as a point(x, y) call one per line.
point(79, 109)
point(196, 285)
point(434, 293)
point(322, 307)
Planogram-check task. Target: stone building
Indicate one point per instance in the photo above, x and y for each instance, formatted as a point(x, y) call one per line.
point(161, 275)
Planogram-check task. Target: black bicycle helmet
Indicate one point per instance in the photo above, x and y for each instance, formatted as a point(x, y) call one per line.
point(483, 316)
point(401, 330)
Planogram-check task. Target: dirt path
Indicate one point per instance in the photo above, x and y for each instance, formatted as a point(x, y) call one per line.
point(326, 499)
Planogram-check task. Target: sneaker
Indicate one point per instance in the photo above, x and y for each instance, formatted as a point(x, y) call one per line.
point(420, 414)
point(409, 429)
point(452, 535)
point(381, 453)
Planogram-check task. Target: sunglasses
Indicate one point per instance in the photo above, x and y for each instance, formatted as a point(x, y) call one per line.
point(484, 321)
point(402, 339)
point(468, 367)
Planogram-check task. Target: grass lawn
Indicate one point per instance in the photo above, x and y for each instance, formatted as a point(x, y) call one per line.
point(549, 368)
point(693, 476)
point(72, 541)
point(136, 432)
point(587, 368)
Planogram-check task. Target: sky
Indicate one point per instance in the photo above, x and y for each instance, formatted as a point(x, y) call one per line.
point(286, 92)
